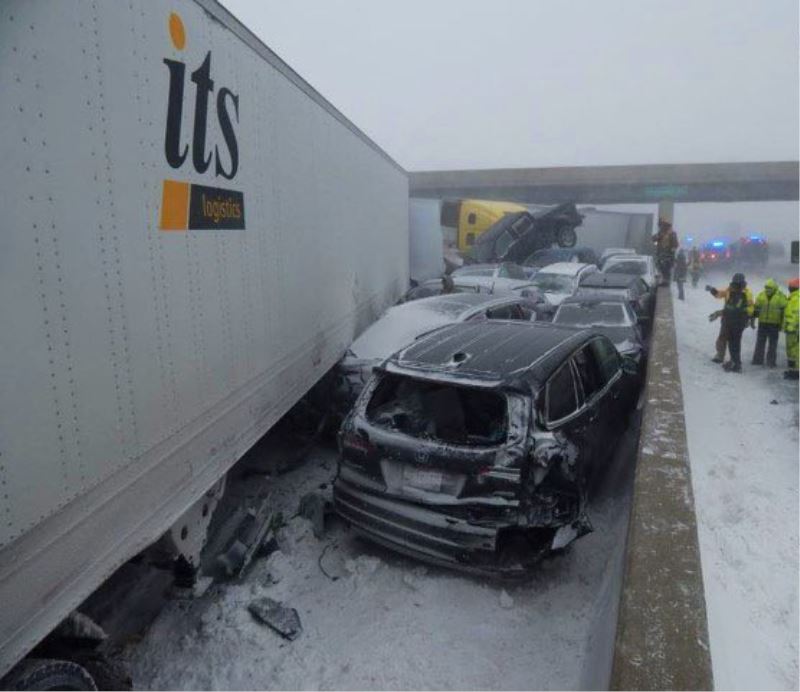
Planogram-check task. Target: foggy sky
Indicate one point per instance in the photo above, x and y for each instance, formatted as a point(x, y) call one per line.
point(506, 83)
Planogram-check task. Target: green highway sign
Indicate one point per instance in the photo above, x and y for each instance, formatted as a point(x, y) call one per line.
point(666, 191)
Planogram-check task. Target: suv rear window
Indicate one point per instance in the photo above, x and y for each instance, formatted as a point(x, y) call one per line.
point(443, 412)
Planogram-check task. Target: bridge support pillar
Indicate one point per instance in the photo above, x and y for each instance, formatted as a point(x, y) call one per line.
point(666, 210)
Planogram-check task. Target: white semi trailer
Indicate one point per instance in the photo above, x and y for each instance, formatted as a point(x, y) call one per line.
point(603, 229)
point(191, 237)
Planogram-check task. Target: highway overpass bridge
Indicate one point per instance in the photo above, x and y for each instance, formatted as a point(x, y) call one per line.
point(665, 184)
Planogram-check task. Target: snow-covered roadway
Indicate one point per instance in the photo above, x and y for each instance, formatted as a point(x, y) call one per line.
point(743, 445)
point(388, 622)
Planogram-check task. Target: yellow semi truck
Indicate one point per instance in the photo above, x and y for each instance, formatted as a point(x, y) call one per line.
point(471, 217)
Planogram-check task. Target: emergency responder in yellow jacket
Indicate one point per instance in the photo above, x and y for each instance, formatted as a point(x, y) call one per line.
point(790, 326)
point(769, 307)
point(736, 313)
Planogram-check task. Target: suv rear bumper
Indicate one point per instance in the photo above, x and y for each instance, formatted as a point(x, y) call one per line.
point(429, 535)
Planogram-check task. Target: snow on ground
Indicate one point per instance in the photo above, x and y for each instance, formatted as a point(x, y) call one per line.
point(387, 621)
point(743, 445)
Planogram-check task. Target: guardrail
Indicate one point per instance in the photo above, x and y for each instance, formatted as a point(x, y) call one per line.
point(662, 632)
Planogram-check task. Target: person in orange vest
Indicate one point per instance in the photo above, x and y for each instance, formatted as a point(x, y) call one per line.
point(736, 313)
point(666, 241)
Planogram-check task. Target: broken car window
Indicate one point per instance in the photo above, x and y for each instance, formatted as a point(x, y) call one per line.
point(506, 312)
point(553, 283)
point(432, 410)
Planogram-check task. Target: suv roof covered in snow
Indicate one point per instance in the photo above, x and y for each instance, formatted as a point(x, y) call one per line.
point(451, 304)
point(594, 298)
point(491, 353)
point(600, 280)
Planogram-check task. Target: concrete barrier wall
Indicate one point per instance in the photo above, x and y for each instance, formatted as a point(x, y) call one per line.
point(662, 631)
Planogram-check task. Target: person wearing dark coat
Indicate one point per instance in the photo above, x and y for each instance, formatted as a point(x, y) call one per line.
point(736, 313)
point(666, 242)
point(681, 268)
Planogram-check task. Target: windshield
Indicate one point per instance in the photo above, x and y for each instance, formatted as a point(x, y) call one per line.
point(474, 271)
point(633, 267)
point(592, 315)
point(553, 283)
point(541, 258)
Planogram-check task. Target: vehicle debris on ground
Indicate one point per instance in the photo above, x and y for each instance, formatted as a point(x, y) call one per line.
point(285, 621)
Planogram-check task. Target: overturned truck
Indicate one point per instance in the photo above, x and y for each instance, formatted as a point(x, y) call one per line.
point(517, 235)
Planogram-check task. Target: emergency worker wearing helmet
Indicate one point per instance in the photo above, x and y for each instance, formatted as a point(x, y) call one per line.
point(736, 313)
point(790, 326)
point(769, 308)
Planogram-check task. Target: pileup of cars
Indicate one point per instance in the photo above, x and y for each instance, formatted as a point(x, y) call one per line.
point(477, 418)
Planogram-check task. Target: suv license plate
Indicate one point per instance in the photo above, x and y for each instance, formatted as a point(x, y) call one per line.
point(422, 479)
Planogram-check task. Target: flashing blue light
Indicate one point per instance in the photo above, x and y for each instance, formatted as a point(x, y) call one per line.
point(718, 243)
point(755, 236)
point(689, 239)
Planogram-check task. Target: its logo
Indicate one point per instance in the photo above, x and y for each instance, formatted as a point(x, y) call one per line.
point(184, 205)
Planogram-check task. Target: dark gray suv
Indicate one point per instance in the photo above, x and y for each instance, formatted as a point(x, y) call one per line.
point(472, 447)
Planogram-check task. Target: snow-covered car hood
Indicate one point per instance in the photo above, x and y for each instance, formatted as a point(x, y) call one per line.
point(392, 332)
point(489, 284)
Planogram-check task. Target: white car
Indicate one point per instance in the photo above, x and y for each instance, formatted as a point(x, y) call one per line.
point(491, 278)
point(403, 323)
point(560, 280)
point(615, 252)
point(634, 265)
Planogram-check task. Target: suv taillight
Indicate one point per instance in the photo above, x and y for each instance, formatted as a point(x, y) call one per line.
point(357, 442)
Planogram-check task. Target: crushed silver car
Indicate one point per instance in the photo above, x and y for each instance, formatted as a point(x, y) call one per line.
point(403, 323)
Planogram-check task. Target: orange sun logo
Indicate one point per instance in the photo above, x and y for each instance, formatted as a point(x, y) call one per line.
point(176, 31)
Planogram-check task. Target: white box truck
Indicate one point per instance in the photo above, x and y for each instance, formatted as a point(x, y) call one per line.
point(191, 238)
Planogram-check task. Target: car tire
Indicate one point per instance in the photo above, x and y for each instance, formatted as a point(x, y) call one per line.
point(566, 236)
point(108, 673)
point(48, 674)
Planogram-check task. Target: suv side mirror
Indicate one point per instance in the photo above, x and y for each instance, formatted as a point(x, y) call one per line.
point(629, 366)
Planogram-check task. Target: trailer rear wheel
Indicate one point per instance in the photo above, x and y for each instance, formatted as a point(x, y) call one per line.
point(49, 674)
point(108, 673)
